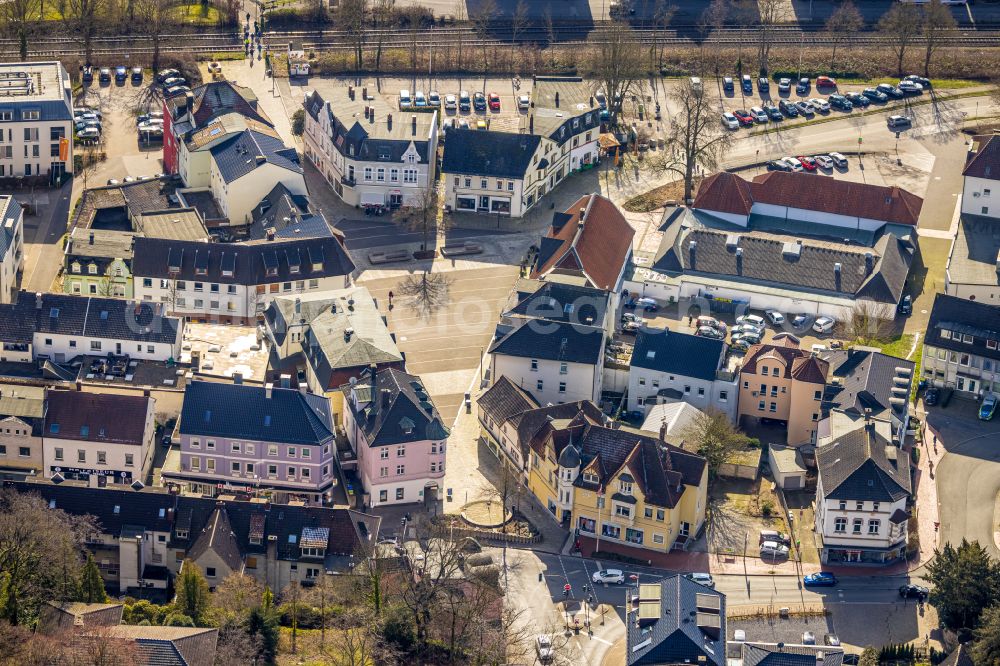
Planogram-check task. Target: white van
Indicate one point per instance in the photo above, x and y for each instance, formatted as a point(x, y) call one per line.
point(404, 99)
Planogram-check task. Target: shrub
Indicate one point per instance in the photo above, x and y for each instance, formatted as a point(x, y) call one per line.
point(309, 616)
point(767, 508)
point(178, 620)
point(298, 122)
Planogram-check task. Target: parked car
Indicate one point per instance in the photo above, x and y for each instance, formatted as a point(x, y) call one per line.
point(875, 95)
point(727, 84)
point(775, 317)
point(912, 591)
point(773, 549)
point(858, 100)
point(479, 101)
point(702, 579)
point(648, 304)
point(793, 163)
point(898, 122)
point(709, 332)
point(705, 320)
point(910, 88)
point(808, 638)
point(172, 81)
point(840, 103)
point(788, 108)
point(746, 120)
point(543, 645)
point(805, 109)
point(433, 98)
point(464, 101)
point(802, 87)
point(823, 161)
point(988, 408)
point(419, 99)
point(405, 101)
point(137, 75)
point(925, 83)
point(820, 579)
point(121, 73)
point(739, 345)
point(833, 640)
point(748, 338)
point(523, 102)
point(773, 112)
point(609, 576)
point(747, 84)
point(88, 73)
point(630, 316)
point(729, 121)
point(784, 86)
point(763, 85)
point(906, 306)
point(450, 102)
point(773, 535)
point(820, 105)
point(839, 160)
point(494, 101)
point(165, 74)
point(889, 90)
point(105, 76)
point(778, 165)
point(808, 163)
point(89, 134)
point(824, 324)
point(931, 396)
point(759, 115)
point(801, 321)
point(752, 319)
point(826, 82)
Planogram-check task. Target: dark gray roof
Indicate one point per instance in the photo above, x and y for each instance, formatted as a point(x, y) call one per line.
point(488, 153)
point(865, 380)
point(674, 637)
point(556, 301)
point(877, 273)
point(242, 263)
point(554, 341)
point(109, 318)
point(504, 400)
point(249, 150)
point(570, 458)
point(99, 244)
point(288, 214)
point(974, 254)
point(962, 317)
point(400, 409)
point(959, 657)
point(770, 654)
point(558, 100)
point(863, 466)
point(218, 536)
point(242, 411)
point(678, 353)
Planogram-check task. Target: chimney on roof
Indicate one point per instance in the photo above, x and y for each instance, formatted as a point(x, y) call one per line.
point(739, 260)
point(348, 332)
point(371, 118)
point(837, 275)
point(869, 263)
point(91, 237)
point(38, 300)
point(237, 378)
point(298, 305)
point(557, 99)
point(270, 231)
point(260, 159)
point(591, 101)
point(350, 91)
point(663, 431)
point(286, 381)
point(189, 102)
point(388, 119)
point(413, 125)
point(531, 124)
point(386, 397)
point(268, 390)
point(364, 92)
point(692, 247)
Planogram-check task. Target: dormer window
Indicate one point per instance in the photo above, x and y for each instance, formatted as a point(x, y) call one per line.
point(313, 552)
point(76, 266)
point(625, 487)
point(590, 477)
point(182, 534)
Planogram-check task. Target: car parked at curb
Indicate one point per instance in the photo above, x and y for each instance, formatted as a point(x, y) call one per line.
point(773, 549)
point(839, 160)
point(820, 105)
point(808, 163)
point(824, 162)
point(792, 162)
point(840, 103)
point(820, 579)
point(898, 122)
point(924, 82)
point(759, 115)
point(773, 112)
point(701, 578)
point(778, 165)
point(746, 120)
point(913, 591)
point(889, 90)
point(931, 396)
point(788, 108)
point(910, 88)
point(858, 100)
point(988, 407)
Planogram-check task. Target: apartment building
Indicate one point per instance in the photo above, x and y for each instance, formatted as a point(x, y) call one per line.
point(98, 262)
point(22, 419)
point(960, 346)
point(36, 121)
point(11, 246)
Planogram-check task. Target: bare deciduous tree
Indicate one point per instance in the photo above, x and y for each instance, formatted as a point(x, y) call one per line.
point(18, 18)
point(382, 13)
point(519, 21)
point(155, 20)
point(662, 14)
point(868, 322)
point(618, 67)
point(482, 24)
point(425, 293)
point(351, 17)
point(712, 19)
point(421, 215)
point(843, 23)
point(900, 26)
point(938, 22)
point(696, 138)
point(770, 14)
point(83, 18)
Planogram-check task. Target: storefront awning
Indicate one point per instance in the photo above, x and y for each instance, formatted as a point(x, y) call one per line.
point(372, 199)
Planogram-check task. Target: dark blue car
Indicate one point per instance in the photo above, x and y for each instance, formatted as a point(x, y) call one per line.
point(820, 579)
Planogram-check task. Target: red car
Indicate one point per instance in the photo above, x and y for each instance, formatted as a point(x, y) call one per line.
point(745, 118)
point(808, 163)
point(494, 102)
point(825, 82)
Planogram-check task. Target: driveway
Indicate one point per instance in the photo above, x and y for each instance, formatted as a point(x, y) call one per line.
point(968, 476)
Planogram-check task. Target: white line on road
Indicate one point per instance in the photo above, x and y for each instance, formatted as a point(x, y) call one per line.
point(601, 640)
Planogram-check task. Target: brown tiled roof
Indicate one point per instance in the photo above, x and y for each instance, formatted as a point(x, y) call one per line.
point(96, 417)
point(724, 192)
point(599, 248)
point(729, 193)
point(799, 363)
point(983, 160)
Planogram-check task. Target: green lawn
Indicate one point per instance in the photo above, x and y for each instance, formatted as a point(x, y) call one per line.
point(195, 13)
point(900, 347)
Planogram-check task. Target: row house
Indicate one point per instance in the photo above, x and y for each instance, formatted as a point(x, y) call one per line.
point(396, 436)
point(22, 420)
point(235, 282)
point(98, 262)
point(239, 437)
point(59, 328)
point(369, 154)
point(145, 536)
point(961, 346)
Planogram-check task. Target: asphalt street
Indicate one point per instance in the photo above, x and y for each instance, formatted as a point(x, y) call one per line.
point(370, 233)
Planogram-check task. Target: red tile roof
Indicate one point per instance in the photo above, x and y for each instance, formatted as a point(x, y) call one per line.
point(983, 160)
point(728, 193)
point(599, 247)
point(798, 363)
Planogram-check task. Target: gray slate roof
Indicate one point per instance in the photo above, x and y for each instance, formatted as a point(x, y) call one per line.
point(504, 400)
point(242, 411)
point(866, 381)
point(678, 353)
point(109, 318)
point(218, 537)
point(249, 150)
point(858, 466)
point(769, 654)
point(553, 341)
point(962, 317)
point(487, 153)
point(99, 244)
point(674, 638)
point(877, 273)
point(974, 254)
point(399, 403)
point(556, 301)
point(575, 101)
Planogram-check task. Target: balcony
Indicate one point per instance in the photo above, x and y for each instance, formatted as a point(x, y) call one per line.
point(347, 182)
